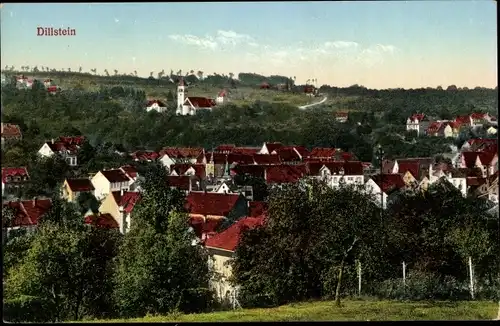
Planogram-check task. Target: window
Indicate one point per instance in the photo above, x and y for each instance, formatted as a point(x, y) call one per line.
point(358, 179)
point(335, 179)
point(350, 178)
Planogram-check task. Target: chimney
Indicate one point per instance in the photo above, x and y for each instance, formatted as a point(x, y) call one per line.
point(52, 140)
point(121, 192)
point(190, 184)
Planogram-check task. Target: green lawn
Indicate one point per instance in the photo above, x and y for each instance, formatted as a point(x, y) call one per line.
point(350, 310)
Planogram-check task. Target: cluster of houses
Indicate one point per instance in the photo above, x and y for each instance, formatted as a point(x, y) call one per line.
point(10, 133)
point(423, 125)
point(24, 82)
point(212, 195)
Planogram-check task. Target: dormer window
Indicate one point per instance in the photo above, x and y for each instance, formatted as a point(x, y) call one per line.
point(8, 179)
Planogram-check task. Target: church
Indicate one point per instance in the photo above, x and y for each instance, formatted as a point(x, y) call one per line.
point(189, 105)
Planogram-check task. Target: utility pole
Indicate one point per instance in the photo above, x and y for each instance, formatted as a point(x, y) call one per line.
point(380, 157)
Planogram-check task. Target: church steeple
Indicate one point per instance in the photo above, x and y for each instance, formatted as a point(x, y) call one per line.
point(181, 98)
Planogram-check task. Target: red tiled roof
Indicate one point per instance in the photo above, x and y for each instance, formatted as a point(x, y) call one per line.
point(348, 167)
point(13, 172)
point(412, 167)
point(246, 150)
point(102, 220)
point(158, 102)
point(203, 227)
point(288, 154)
point(10, 130)
point(340, 114)
point(78, 185)
point(52, 89)
point(319, 152)
point(72, 140)
point(130, 170)
point(266, 159)
point(211, 203)
point(417, 116)
point(463, 120)
point(181, 169)
point(434, 127)
point(257, 208)
point(129, 200)
point(222, 93)
point(180, 182)
point(182, 152)
point(302, 151)
point(224, 148)
point(145, 155)
point(271, 147)
point(115, 175)
point(201, 102)
point(469, 159)
point(229, 238)
point(284, 173)
point(478, 116)
point(27, 212)
point(389, 182)
point(486, 157)
point(240, 158)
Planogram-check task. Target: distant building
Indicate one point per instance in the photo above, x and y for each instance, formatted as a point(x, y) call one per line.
point(221, 97)
point(189, 105)
point(156, 105)
point(417, 122)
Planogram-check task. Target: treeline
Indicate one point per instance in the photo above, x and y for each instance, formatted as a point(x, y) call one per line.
point(312, 245)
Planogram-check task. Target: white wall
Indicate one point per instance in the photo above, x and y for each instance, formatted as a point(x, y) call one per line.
point(101, 185)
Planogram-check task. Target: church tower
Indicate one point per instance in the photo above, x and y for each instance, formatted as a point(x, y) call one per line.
point(181, 97)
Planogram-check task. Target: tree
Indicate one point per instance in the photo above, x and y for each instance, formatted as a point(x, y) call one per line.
point(80, 69)
point(116, 72)
point(67, 268)
point(169, 273)
point(297, 260)
point(106, 72)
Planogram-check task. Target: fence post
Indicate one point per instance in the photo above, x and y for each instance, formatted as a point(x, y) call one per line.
point(404, 274)
point(471, 278)
point(359, 277)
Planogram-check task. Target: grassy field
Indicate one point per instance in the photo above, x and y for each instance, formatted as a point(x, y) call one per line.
point(239, 96)
point(350, 311)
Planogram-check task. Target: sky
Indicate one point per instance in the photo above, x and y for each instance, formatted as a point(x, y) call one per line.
point(377, 44)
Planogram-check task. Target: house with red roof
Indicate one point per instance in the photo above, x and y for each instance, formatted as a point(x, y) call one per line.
point(72, 188)
point(322, 153)
point(10, 132)
point(266, 159)
point(224, 148)
point(53, 89)
point(13, 178)
point(120, 205)
point(284, 173)
point(487, 162)
point(418, 122)
point(480, 144)
point(290, 154)
point(337, 173)
point(197, 170)
point(156, 105)
point(26, 213)
point(221, 248)
point(105, 221)
point(381, 186)
point(341, 116)
point(208, 209)
point(268, 148)
point(107, 181)
point(144, 156)
point(238, 158)
point(185, 183)
point(175, 155)
point(221, 97)
point(479, 119)
point(67, 147)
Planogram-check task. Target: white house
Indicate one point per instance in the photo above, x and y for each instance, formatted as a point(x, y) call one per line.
point(221, 97)
point(380, 186)
point(221, 249)
point(156, 105)
point(417, 122)
point(223, 188)
point(107, 181)
point(176, 155)
point(491, 131)
point(348, 173)
point(68, 150)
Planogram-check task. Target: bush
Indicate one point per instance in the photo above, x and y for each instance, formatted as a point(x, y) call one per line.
point(423, 286)
point(28, 309)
